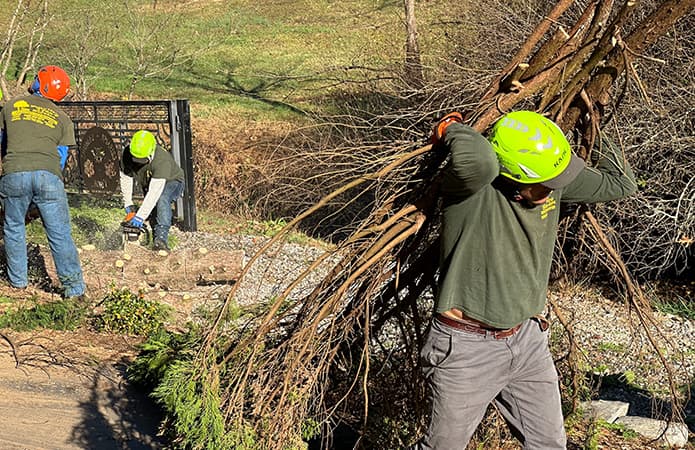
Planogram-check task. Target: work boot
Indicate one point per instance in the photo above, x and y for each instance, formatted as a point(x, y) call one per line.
point(160, 245)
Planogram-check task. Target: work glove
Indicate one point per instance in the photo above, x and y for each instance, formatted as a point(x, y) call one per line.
point(136, 222)
point(129, 213)
point(441, 126)
point(63, 153)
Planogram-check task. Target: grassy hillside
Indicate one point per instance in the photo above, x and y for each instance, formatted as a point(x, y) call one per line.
point(248, 58)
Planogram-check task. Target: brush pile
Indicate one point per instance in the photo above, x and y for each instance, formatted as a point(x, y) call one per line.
point(347, 346)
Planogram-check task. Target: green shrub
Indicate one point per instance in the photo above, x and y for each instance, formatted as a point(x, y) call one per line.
point(130, 313)
point(193, 406)
point(190, 399)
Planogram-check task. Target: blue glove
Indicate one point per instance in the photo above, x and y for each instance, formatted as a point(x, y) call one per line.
point(63, 153)
point(136, 222)
point(130, 209)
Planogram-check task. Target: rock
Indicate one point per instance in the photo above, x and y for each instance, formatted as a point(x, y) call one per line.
point(676, 434)
point(126, 257)
point(202, 250)
point(162, 253)
point(89, 247)
point(162, 294)
point(119, 263)
point(146, 270)
point(605, 409)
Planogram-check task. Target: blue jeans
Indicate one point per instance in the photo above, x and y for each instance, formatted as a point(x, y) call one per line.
point(160, 219)
point(46, 190)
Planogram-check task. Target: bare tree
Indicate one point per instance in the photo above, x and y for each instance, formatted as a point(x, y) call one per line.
point(152, 50)
point(85, 36)
point(26, 28)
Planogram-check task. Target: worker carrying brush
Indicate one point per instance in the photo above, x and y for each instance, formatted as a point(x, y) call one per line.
point(161, 180)
point(488, 340)
point(36, 136)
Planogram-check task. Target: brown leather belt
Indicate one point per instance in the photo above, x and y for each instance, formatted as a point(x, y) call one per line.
point(496, 333)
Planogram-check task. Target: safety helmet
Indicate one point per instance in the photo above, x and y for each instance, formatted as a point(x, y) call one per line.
point(533, 149)
point(51, 82)
point(142, 145)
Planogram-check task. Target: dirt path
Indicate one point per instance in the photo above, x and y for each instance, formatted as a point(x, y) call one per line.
point(68, 392)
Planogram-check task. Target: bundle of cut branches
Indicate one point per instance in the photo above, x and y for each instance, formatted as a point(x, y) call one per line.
point(313, 352)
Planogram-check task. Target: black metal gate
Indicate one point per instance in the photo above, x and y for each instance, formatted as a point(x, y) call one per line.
point(104, 128)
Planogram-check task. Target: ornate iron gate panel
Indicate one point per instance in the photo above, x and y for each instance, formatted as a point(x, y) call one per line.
point(104, 128)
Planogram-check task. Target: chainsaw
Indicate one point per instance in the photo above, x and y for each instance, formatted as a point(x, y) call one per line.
point(132, 234)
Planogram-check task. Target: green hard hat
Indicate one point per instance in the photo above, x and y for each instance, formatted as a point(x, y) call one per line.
point(142, 144)
point(533, 149)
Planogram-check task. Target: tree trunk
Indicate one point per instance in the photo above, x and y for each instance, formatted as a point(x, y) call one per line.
point(413, 65)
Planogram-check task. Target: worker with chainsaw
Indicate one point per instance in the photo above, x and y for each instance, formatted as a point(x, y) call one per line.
point(488, 340)
point(161, 180)
point(37, 135)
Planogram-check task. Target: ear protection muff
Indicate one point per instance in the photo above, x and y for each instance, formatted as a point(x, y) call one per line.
point(34, 88)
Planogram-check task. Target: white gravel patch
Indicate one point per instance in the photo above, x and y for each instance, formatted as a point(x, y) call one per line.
point(271, 272)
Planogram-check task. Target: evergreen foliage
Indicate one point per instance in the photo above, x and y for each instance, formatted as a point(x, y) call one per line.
point(65, 314)
point(189, 395)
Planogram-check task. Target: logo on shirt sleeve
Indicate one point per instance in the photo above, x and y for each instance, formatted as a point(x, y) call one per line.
point(548, 206)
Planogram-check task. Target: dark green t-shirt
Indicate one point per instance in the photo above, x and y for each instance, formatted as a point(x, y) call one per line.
point(496, 253)
point(162, 166)
point(34, 127)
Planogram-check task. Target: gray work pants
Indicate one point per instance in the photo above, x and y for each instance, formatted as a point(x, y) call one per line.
point(467, 371)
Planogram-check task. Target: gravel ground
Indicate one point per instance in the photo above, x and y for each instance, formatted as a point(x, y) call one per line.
point(610, 336)
point(617, 349)
point(270, 273)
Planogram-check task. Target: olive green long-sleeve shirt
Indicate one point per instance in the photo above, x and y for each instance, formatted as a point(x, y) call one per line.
point(496, 253)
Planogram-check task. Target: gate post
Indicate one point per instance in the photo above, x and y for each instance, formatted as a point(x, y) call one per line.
point(181, 139)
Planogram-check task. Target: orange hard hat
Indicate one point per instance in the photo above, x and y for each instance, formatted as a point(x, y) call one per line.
point(51, 82)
